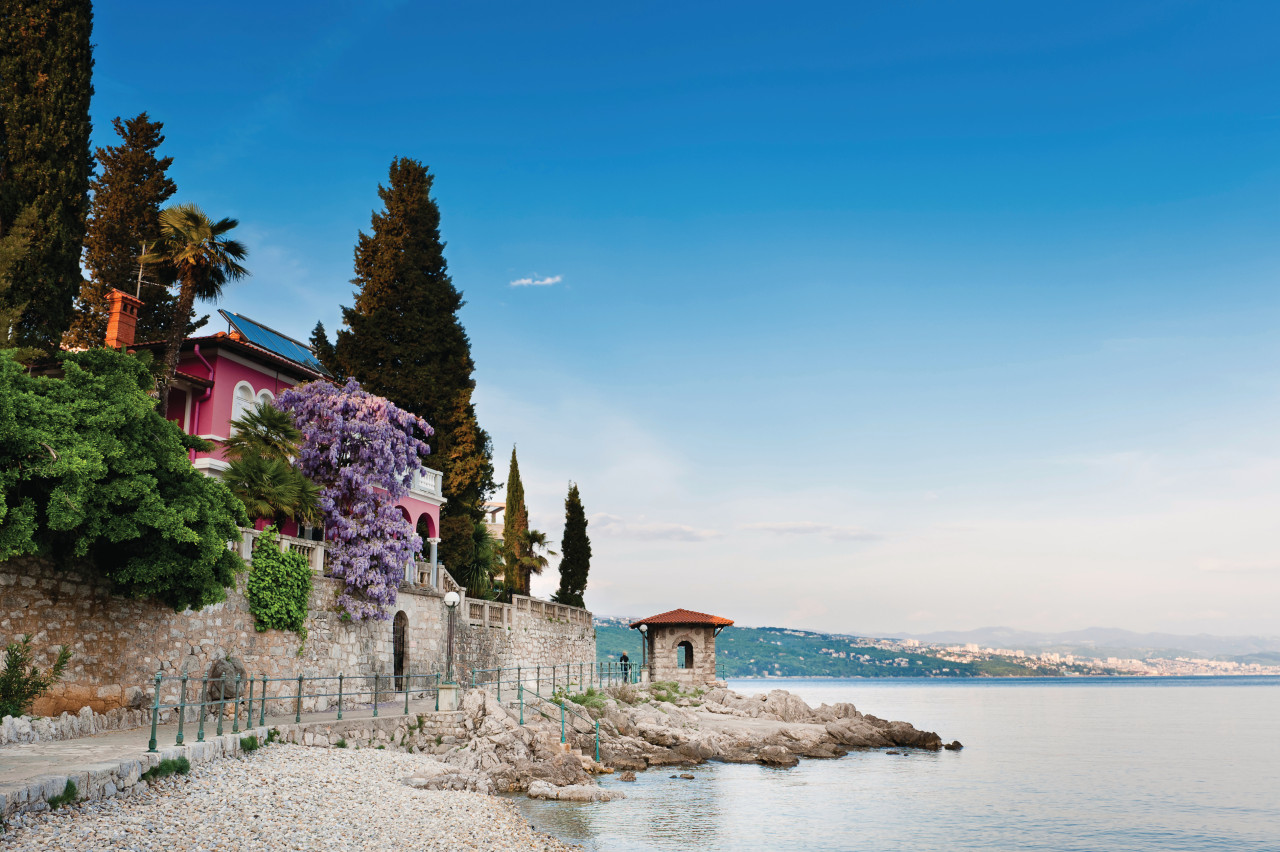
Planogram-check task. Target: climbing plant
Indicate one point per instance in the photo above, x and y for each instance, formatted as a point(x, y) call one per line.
point(279, 588)
point(363, 452)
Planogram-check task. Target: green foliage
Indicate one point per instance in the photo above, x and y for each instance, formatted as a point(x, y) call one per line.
point(203, 258)
point(590, 699)
point(486, 561)
point(273, 735)
point(13, 249)
point(89, 469)
point(125, 214)
point(46, 63)
point(250, 744)
point(515, 531)
point(168, 766)
point(68, 796)
point(326, 354)
point(262, 473)
point(279, 587)
point(403, 341)
point(342, 743)
point(21, 683)
point(575, 564)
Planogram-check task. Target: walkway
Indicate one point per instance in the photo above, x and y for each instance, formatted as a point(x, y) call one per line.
point(22, 763)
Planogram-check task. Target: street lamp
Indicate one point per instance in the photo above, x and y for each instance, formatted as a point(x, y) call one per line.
point(644, 646)
point(451, 601)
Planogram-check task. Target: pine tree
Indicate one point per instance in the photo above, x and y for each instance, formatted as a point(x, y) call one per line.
point(46, 65)
point(125, 214)
point(515, 532)
point(403, 341)
point(575, 548)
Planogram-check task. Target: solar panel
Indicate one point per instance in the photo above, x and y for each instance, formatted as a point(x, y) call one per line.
point(273, 341)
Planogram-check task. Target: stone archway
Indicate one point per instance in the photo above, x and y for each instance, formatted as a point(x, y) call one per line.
point(684, 655)
point(400, 648)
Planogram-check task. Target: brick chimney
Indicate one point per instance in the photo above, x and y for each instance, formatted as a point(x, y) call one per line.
point(123, 320)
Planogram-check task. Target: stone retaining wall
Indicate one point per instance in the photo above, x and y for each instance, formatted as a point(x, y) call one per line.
point(119, 644)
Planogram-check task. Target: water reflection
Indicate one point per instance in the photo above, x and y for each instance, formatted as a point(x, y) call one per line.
point(1047, 765)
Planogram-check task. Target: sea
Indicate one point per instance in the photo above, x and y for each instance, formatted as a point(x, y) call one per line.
point(1088, 764)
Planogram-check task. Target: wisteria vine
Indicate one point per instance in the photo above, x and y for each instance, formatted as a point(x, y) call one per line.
point(362, 451)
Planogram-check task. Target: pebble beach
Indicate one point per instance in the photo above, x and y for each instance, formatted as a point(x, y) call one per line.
point(285, 797)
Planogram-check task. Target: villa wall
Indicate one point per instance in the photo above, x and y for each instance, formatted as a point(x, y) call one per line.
point(119, 644)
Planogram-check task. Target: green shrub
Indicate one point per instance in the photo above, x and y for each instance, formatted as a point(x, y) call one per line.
point(68, 796)
point(279, 588)
point(273, 735)
point(340, 744)
point(21, 683)
point(89, 468)
point(250, 743)
point(590, 699)
point(168, 766)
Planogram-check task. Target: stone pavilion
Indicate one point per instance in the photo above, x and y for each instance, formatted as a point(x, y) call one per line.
point(680, 646)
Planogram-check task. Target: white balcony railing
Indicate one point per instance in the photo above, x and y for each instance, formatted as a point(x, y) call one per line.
point(428, 482)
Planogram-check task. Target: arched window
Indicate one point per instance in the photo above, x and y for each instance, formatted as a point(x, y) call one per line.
point(684, 655)
point(266, 397)
point(242, 402)
point(400, 648)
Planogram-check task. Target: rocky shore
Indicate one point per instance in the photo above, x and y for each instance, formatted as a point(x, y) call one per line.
point(428, 775)
point(643, 728)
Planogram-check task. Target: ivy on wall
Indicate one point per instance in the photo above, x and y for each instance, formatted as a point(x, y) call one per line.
point(279, 587)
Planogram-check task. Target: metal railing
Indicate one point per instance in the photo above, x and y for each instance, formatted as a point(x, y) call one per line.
point(560, 701)
point(567, 677)
point(285, 695)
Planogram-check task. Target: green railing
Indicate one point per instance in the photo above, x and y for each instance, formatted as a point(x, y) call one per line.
point(197, 699)
point(561, 702)
point(567, 677)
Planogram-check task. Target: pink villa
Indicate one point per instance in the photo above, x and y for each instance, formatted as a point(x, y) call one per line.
point(221, 376)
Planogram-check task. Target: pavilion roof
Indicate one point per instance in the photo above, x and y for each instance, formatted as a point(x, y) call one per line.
point(684, 616)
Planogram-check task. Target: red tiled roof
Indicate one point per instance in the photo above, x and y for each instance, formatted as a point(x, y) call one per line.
point(224, 339)
point(684, 616)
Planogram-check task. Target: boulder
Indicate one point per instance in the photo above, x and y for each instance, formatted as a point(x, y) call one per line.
point(573, 793)
point(226, 671)
point(777, 756)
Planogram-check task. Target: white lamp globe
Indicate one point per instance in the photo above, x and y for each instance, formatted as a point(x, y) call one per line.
point(452, 599)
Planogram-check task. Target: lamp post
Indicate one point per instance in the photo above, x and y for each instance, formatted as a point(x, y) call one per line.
point(451, 601)
point(644, 647)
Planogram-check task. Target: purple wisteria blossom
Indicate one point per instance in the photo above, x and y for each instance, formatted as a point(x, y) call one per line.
point(362, 451)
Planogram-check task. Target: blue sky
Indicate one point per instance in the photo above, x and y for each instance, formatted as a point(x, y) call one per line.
point(866, 317)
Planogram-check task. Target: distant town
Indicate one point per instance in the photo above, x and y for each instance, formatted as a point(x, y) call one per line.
point(782, 652)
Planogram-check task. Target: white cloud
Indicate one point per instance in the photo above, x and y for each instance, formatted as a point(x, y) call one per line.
point(615, 526)
point(537, 282)
point(840, 533)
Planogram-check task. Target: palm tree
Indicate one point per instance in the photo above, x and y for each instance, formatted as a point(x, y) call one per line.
point(263, 442)
point(531, 561)
point(264, 430)
point(204, 259)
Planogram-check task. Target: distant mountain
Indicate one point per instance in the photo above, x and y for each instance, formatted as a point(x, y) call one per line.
point(1105, 641)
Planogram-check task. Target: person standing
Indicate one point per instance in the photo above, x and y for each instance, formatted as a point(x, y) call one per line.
point(625, 664)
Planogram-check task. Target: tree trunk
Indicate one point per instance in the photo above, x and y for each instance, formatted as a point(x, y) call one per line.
point(173, 346)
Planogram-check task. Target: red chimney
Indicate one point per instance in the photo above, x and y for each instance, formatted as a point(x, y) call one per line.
point(123, 320)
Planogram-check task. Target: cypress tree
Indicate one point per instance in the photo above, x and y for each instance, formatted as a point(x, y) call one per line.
point(124, 214)
point(515, 531)
point(575, 547)
point(46, 65)
point(325, 353)
point(403, 340)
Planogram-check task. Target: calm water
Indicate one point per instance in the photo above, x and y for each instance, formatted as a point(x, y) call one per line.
point(1078, 764)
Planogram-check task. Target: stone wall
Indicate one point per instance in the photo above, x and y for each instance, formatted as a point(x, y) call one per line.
point(119, 644)
point(665, 654)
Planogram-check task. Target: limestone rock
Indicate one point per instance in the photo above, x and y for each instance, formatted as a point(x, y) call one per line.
point(573, 793)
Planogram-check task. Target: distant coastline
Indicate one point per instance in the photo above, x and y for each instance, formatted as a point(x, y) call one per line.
point(771, 652)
